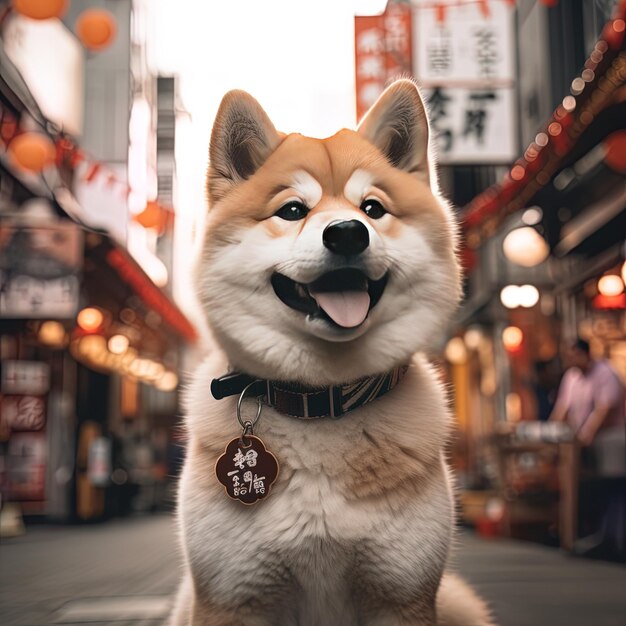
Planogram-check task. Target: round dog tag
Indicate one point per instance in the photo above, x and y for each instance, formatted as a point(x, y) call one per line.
point(247, 469)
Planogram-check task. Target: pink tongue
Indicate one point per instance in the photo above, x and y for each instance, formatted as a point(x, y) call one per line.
point(346, 308)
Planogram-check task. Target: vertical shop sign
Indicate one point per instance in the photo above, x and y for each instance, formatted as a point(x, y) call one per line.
point(466, 67)
point(383, 51)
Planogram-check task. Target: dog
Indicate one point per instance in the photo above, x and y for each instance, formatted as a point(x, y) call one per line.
point(329, 265)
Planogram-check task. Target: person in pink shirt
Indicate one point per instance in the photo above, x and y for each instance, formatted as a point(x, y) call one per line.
point(591, 399)
point(591, 396)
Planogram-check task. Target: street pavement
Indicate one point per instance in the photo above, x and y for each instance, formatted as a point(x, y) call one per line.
point(124, 573)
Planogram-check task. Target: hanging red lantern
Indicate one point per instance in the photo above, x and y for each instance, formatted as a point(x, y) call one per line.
point(96, 29)
point(40, 9)
point(32, 151)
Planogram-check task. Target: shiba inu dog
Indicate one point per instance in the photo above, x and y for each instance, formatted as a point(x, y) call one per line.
point(329, 265)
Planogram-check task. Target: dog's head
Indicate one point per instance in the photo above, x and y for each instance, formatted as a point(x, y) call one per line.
point(326, 260)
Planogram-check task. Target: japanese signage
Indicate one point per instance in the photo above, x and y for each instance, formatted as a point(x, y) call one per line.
point(26, 464)
point(466, 67)
point(467, 47)
point(38, 268)
point(24, 377)
point(247, 470)
point(472, 125)
point(383, 51)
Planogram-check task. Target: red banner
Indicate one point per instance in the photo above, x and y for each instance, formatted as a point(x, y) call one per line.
point(383, 51)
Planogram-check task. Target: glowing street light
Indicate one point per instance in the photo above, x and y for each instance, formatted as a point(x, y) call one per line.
point(525, 246)
point(611, 285)
point(528, 296)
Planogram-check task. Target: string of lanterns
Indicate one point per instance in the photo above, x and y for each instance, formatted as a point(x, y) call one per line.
point(34, 151)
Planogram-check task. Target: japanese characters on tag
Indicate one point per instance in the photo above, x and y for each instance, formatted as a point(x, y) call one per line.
point(247, 469)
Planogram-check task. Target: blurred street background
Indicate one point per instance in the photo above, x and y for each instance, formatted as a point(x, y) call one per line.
point(106, 109)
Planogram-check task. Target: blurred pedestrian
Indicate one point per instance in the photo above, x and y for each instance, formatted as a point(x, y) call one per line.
point(591, 395)
point(592, 399)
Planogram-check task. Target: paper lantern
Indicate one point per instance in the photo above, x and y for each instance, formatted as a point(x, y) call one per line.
point(96, 29)
point(525, 246)
point(32, 151)
point(610, 285)
point(40, 9)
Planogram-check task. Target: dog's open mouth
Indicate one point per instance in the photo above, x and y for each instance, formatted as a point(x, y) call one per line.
point(342, 297)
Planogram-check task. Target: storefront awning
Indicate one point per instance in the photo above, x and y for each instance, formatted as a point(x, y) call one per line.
point(112, 263)
point(132, 274)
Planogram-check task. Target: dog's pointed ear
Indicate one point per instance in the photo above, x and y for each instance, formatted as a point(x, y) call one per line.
point(243, 137)
point(397, 125)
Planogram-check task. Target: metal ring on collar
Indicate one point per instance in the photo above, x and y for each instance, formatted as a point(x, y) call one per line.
point(249, 423)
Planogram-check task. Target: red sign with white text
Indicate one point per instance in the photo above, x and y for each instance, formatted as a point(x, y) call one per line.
point(383, 51)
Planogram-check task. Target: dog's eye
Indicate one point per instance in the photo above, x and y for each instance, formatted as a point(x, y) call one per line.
point(292, 211)
point(372, 208)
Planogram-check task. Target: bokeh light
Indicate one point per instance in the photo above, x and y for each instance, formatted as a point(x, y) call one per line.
point(611, 285)
point(90, 319)
point(512, 338)
point(525, 246)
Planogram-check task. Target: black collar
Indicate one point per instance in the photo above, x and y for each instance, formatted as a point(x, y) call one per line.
point(297, 400)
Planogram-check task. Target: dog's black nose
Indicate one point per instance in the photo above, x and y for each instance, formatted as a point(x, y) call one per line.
point(347, 237)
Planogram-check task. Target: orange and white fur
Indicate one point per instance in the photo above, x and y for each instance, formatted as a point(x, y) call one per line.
point(358, 526)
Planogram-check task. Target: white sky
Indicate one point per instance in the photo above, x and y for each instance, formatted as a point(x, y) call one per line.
point(296, 57)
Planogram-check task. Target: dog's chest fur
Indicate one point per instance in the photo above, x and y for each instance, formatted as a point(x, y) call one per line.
point(361, 508)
